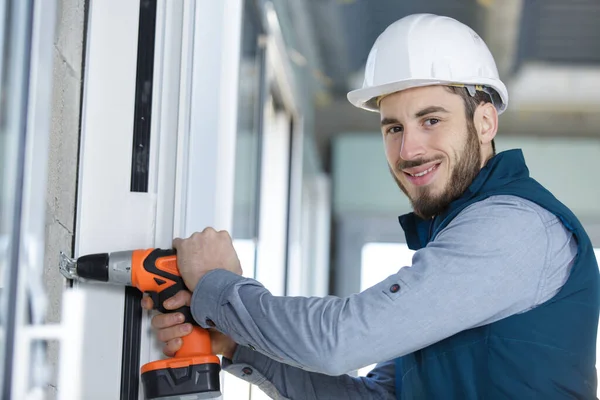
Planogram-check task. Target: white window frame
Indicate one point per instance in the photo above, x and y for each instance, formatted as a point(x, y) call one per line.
point(280, 76)
point(197, 100)
point(277, 134)
point(191, 179)
point(270, 268)
point(276, 189)
point(208, 119)
point(109, 216)
point(203, 188)
point(169, 40)
point(208, 164)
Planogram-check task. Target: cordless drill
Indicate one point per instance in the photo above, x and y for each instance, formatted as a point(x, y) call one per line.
point(193, 373)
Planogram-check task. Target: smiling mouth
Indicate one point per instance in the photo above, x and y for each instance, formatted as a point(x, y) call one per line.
point(422, 178)
point(423, 173)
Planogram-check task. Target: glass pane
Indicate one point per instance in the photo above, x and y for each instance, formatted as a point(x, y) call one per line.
point(247, 164)
point(248, 137)
point(14, 58)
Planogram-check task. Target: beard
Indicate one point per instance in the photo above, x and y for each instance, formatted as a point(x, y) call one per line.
point(425, 204)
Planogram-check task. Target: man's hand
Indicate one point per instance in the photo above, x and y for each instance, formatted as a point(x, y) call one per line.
point(170, 327)
point(203, 252)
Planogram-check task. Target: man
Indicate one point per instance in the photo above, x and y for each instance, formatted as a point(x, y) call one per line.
point(502, 298)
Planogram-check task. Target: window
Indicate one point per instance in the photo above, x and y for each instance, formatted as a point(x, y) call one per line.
point(26, 32)
point(249, 129)
point(13, 100)
point(247, 163)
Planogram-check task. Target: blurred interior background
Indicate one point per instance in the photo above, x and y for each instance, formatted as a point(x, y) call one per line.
point(255, 95)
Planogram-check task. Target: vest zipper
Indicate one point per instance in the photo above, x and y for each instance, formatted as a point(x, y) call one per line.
point(430, 229)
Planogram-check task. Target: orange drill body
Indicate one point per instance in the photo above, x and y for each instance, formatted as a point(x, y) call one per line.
point(193, 373)
point(196, 347)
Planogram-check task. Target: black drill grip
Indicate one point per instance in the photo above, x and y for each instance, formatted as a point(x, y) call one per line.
point(158, 298)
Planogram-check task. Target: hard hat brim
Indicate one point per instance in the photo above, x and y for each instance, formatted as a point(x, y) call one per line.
point(367, 98)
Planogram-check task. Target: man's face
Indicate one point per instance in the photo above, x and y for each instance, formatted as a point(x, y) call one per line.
point(432, 151)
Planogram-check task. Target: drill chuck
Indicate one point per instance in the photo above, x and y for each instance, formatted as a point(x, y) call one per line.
point(114, 268)
point(93, 267)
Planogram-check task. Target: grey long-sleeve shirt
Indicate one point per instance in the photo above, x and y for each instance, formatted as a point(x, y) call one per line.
point(498, 257)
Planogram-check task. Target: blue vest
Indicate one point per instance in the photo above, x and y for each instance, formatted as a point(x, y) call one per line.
point(546, 353)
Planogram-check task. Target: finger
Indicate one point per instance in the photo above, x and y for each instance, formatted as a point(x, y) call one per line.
point(162, 321)
point(147, 303)
point(181, 298)
point(177, 243)
point(171, 347)
point(174, 332)
point(223, 234)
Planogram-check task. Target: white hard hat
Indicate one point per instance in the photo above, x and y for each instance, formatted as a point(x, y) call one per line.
point(424, 50)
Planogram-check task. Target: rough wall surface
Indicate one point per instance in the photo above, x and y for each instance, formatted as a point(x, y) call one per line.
point(62, 162)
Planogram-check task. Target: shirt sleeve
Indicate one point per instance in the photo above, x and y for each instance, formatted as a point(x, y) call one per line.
point(487, 264)
point(281, 381)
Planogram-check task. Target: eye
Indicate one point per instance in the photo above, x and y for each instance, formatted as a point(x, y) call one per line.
point(395, 129)
point(431, 121)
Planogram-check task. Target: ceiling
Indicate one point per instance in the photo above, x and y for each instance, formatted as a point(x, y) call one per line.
point(346, 30)
point(554, 31)
point(559, 31)
point(540, 47)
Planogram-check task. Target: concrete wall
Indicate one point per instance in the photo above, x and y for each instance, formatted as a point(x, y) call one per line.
point(62, 163)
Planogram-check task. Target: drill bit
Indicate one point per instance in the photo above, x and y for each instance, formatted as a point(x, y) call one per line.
point(67, 266)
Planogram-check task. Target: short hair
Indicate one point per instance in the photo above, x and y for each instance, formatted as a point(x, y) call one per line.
point(471, 103)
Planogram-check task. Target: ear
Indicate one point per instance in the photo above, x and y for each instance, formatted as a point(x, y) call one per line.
point(486, 122)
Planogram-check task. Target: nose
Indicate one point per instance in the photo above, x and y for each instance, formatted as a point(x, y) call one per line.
point(412, 145)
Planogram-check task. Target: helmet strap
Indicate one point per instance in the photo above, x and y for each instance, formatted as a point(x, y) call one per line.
point(496, 100)
point(471, 89)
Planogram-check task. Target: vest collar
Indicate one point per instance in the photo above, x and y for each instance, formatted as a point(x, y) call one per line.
point(505, 167)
